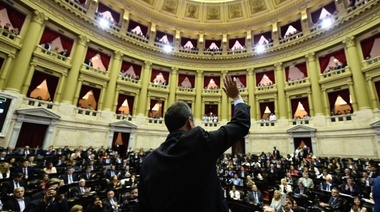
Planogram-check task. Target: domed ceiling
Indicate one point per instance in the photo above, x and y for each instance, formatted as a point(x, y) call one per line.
point(218, 15)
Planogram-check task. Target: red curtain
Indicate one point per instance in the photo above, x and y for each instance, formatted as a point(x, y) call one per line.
point(242, 78)
point(155, 72)
point(270, 75)
point(82, 1)
point(15, 17)
point(345, 94)
point(215, 78)
point(166, 76)
point(377, 85)
point(160, 34)
point(304, 101)
point(295, 24)
point(105, 60)
point(315, 15)
point(231, 42)
point(305, 140)
point(95, 91)
point(324, 61)
point(303, 68)
point(181, 78)
point(31, 135)
point(211, 109)
point(133, 24)
point(185, 40)
point(90, 53)
point(331, 8)
point(52, 83)
point(367, 45)
point(50, 35)
point(152, 103)
point(287, 73)
point(263, 105)
point(218, 43)
point(103, 8)
point(259, 77)
point(126, 65)
point(267, 35)
point(120, 101)
point(38, 78)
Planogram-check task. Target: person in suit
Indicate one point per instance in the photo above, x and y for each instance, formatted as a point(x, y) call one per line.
point(48, 46)
point(350, 187)
point(81, 189)
point(17, 202)
point(9, 186)
point(111, 172)
point(272, 174)
point(284, 187)
point(276, 153)
point(302, 194)
point(171, 174)
point(69, 177)
point(110, 203)
point(335, 202)
point(96, 205)
point(306, 181)
point(88, 175)
point(376, 193)
point(255, 197)
point(328, 184)
point(27, 170)
point(52, 200)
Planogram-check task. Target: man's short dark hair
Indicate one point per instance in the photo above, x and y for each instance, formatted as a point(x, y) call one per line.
point(177, 115)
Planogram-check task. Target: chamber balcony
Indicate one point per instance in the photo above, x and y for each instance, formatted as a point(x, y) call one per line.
point(38, 103)
point(123, 117)
point(141, 38)
point(52, 56)
point(87, 112)
point(10, 37)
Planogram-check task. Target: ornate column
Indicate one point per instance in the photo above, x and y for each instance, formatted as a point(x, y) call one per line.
point(21, 66)
point(198, 97)
point(357, 75)
point(77, 62)
point(275, 34)
point(258, 112)
point(115, 70)
point(135, 104)
point(313, 74)
point(145, 79)
point(305, 21)
point(173, 82)
point(28, 79)
point(289, 104)
point(353, 96)
point(372, 92)
point(224, 104)
point(310, 101)
point(77, 91)
point(124, 22)
point(101, 96)
point(92, 8)
point(61, 82)
point(276, 107)
point(326, 101)
point(6, 69)
point(280, 90)
point(251, 92)
point(116, 98)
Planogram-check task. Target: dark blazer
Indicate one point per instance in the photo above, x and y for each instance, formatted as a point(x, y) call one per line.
point(66, 179)
point(180, 175)
point(8, 186)
point(324, 186)
point(75, 192)
point(337, 204)
point(39, 205)
point(12, 204)
point(251, 198)
point(107, 205)
point(354, 192)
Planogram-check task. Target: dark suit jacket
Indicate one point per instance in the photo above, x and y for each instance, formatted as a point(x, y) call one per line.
point(75, 192)
point(39, 205)
point(337, 204)
point(8, 186)
point(251, 197)
point(376, 193)
point(66, 180)
point(107, 205)
point(13, 205)
point(180, 175)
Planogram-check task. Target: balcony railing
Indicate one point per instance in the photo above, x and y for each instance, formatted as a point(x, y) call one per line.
point(211, 90)
point(9, 36)
point(77, 6)
point(334, 73)
point(190, 90)
point(39, 103)
point(266, 87)
point(138, 37)
point(297, 82)
point(128, 79)
point(158, 85)
point(341, 118)
point(211, 124)
point(213, 52)
point(304, 121)
point(371, 61)
point(111, 25)
point(87, 112)
point(292, 37)
point(123, 117)
point(319, 26)
point(237, 51)
point(53, 55)
point(265, 123)
point(189, 51)
point(358, 4)
point(97, 71)
point(155, 121)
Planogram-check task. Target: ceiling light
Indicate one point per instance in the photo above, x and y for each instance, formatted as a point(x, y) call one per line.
point(327, 23)
point(260, 48)
point(103, 23)
point(167, 48)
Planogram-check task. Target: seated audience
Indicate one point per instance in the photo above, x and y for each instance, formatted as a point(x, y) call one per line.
point(284, 187)
point(335, 202)
point(17, 202)
point(357, 206)
point(50, 169)
point(255, 197)
point(96, 205)
point(276, 201)
point(110, 203)
point(234, 194)
point(5, 171)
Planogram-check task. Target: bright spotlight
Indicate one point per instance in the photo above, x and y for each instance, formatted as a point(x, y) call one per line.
point(327, 23)
point(167, 48)
point(103, 23)
point(260, 48)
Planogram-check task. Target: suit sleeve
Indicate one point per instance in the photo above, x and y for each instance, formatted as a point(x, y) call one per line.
point(223, 138)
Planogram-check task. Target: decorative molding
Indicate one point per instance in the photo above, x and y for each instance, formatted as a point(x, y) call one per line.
point(39, 17)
